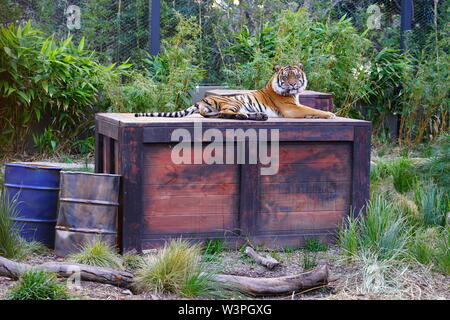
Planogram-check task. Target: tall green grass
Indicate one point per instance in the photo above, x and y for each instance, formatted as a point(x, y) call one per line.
point(37, 285)
point(404, 175)
point(383, 231)
point(10, 242)
point(433, 204)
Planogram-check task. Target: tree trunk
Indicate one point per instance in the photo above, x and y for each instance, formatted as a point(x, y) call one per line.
point(273, 286)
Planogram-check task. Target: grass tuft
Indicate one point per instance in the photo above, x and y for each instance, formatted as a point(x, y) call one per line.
point(37, 285)
point(404, 175)
point(433, 204)
point(315, 245)
point(132, 261)
point(99, 254)
point(10, 241)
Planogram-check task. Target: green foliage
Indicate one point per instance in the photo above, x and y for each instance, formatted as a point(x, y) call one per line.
point(332, 52)
point(386, 72)
point(425, 100)
point(433, 204)
point(98, 253)
point(431, 246)
point(439, 166)
point(169, 77)
point(213, 247)
point(43, 79)
point(37, 285)
point(176, 269)
point(348, 237)
point(132, 261)
point(383, 231)
point(10, 244)
point(315, 245)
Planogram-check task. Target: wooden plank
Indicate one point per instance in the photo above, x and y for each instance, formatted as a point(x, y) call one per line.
point(191, 189)
point(98, 149)
point(108, 129)
point(128, 119)
point(161, 153)
point(171, 174)
point(131, 171)
point(233, 92)
point(106, 154)
point(315, 152)
point(305, 187)
point(308, 202)
point(249, 198)
point(286, 133)
point(187, 205)
point(361, 170)
point(189, 223)
point(295, 221)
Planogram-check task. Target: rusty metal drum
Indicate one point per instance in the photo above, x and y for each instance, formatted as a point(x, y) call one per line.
point(88, 209)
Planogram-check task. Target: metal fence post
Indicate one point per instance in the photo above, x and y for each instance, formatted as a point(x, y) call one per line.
point(406, 21)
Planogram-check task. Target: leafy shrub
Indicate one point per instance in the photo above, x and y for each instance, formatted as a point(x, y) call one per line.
point(169, 76)
point(309, 261)
point(43, 79)
point(97, 253)
point(176, 269)
point(332, 52)
point(37, 285)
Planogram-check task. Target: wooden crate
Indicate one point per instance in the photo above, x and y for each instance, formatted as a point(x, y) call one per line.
point(323, 172)
point(318, 100)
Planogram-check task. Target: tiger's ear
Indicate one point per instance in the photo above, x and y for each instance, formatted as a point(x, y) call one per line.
point(276, 68)
point(300, 65)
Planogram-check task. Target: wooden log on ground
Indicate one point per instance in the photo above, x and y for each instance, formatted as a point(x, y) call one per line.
point(267, 261)
point(118, 278)
point(317, 277)
point(253, 286)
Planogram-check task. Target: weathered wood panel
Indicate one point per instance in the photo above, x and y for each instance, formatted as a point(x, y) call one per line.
point(188, 198)
point(299, 221)
point(323, 170)
point(311, 189)
point(218, 223)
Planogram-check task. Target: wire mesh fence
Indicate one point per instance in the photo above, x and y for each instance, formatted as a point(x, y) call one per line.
point(119, 30)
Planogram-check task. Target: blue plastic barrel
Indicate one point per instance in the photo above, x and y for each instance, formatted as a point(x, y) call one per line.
point(36, 188)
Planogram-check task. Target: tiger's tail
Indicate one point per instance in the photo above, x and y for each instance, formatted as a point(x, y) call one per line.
point(175, 114)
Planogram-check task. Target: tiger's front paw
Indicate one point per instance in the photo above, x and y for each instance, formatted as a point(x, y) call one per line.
point(330, 115)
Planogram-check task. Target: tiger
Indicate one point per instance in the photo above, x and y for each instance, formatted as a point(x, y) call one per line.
point(279, 98)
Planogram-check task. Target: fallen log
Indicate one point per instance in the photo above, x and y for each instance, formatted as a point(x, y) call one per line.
point(253, 286)
point(118, 278)
point(267, 261)
point(273, 286)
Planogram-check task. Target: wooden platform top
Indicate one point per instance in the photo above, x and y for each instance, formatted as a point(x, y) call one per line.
point(128, 119)
point(231, 92)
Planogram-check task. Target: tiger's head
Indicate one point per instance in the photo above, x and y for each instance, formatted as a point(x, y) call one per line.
point(288, 80)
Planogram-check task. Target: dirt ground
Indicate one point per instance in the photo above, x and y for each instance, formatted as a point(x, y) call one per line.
point(345, 279)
